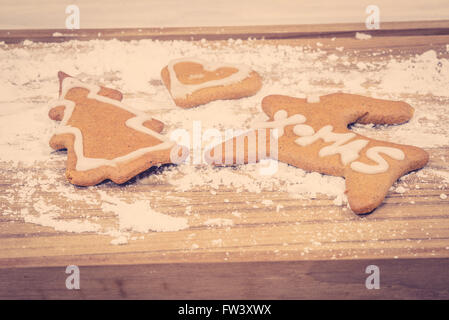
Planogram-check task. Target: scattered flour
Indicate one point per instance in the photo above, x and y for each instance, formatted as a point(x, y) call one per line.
point(28, 82)
point(267, 202)
point(138, 216)
point(236, 214)
point(220, 222)
point(362, 36)
point(296, 182)
point(120, 240)
point(400, 189)
point(279, 207)
point(217, 242)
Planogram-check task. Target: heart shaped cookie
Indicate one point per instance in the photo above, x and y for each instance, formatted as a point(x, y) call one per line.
point(192, 82)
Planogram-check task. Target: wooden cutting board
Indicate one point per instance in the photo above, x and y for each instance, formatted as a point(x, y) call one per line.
point(266, 254)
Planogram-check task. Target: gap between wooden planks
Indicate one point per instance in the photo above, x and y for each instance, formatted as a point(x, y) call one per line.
point(253, 260)
point(421, 28)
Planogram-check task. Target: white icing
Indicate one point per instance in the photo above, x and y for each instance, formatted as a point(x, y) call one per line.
point(349, 150)
point(181, 90)
point(281, 121)
point(84, 163)
point(382, 165)
point(196, 76)
point(303, 130)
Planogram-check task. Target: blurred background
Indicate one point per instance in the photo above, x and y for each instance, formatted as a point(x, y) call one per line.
point(45, 14)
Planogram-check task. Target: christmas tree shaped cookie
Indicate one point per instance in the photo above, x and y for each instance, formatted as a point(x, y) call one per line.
point(314, 136)
point(104, 138)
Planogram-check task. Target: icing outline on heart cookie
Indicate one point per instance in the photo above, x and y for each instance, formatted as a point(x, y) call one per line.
point(180, 90)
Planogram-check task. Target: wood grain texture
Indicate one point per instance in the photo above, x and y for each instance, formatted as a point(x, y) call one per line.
point(400, 279)
point(309, 249)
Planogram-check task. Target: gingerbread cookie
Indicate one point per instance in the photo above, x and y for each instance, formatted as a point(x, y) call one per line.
point(192, 82)
point(314, 136)
point(104, 138)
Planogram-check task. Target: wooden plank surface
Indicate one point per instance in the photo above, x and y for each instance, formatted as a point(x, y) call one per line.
point(309, 249)
point(400, 279)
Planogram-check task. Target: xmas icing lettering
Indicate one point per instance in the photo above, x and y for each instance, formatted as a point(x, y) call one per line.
point(348, 150)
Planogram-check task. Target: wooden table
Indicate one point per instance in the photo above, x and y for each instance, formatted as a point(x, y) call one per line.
point(309, 249)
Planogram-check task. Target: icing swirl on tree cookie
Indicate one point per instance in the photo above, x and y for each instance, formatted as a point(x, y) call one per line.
point(348, 150)
point(84, 163)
